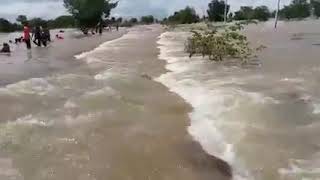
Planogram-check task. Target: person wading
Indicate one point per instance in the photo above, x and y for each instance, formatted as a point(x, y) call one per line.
point(26, 35)
point(37, 36)
point(46, 34)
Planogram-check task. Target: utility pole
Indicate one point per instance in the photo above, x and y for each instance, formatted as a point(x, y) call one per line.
point(225, 11)
point(277, 15)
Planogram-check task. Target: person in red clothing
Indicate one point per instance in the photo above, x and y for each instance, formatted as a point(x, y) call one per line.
point(26, 35)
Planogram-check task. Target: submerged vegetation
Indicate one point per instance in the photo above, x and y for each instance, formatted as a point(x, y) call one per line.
point(218, 45)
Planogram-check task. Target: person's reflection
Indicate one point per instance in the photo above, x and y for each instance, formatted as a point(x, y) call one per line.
point(29, 56)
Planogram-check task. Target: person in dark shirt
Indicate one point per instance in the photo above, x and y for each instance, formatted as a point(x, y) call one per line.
point(37, 36)
point(46, 34)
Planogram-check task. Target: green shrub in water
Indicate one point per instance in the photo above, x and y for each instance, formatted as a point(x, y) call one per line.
point(222, 44)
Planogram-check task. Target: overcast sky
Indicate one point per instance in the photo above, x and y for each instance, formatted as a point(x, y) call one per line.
point(52, 8)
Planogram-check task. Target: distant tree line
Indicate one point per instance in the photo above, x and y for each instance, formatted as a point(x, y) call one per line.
point(7, 26)
point(297, 9)
point(59, 22)
point(184, 16)
point(87, 14)
point(261, 13)
point(147, 19)
point(216, 12)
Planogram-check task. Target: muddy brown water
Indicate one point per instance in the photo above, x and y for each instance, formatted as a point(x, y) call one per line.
point(102, 120)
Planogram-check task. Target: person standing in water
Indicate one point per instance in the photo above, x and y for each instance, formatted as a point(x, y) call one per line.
point(46, 34)
point(37, 36)
point(26, 35)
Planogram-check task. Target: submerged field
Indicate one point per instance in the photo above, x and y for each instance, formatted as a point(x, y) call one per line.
point(261, 118)
point(116, 113)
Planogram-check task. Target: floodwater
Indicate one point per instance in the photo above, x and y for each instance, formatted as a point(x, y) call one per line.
point(263, 118)
point(105, 118)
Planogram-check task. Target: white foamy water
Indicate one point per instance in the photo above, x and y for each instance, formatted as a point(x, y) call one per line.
point(208, 100)
point(109, 45)
point(246, 117)
point(38, 86)
point(316, 108)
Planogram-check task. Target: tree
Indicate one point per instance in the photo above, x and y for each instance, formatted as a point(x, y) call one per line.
point(297, 9)
point(261, 13)
point(316, 7)
point(147, 19)
point(62, 22)
point(6, 26)
point(37, 22)
point(22, 19)
point(133, 20)
point(89, 13)
point(216, 10)
point(113, 19)
point(184, 16)
point(230, 16)
point(245, 13)
point(119, 20)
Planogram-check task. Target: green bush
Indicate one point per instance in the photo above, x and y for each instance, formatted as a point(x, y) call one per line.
point(222, 44)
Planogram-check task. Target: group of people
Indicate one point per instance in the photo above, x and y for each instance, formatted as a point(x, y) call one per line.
point(41, 36)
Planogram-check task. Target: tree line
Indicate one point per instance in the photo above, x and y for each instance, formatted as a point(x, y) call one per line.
point(301, 9)
point(86, 14)
point(65, 21)
point(68, 21)
point(216, 12)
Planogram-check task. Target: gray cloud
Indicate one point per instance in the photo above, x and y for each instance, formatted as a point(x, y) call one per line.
point(128, 8)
